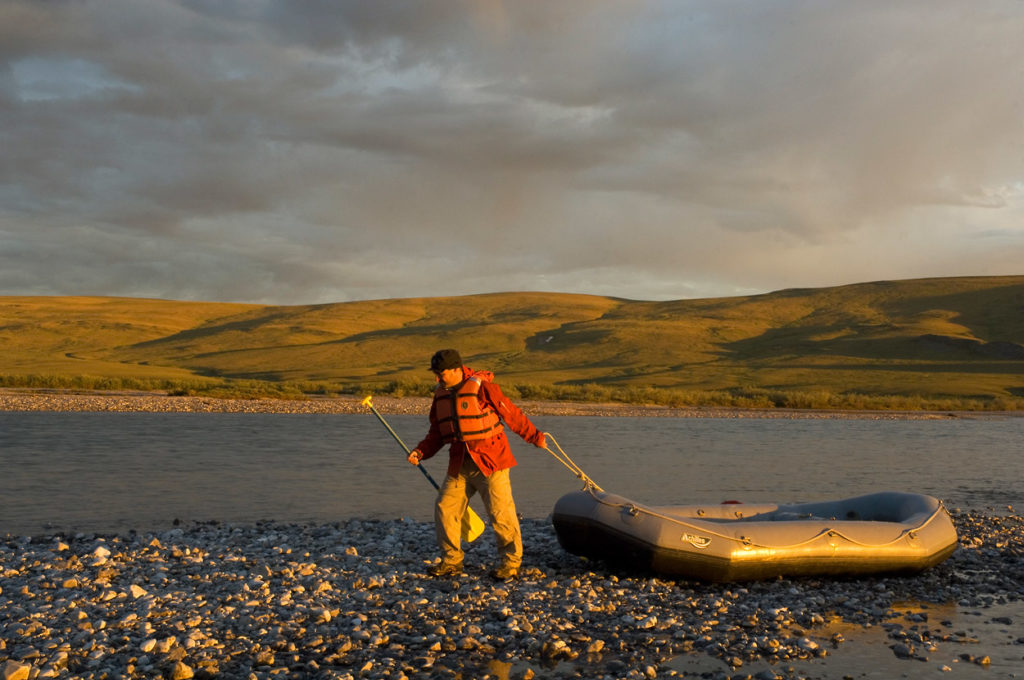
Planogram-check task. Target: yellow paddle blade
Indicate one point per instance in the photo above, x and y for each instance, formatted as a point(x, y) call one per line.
point(472, 525)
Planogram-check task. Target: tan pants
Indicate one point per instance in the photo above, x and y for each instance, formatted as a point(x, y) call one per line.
point(496, 492)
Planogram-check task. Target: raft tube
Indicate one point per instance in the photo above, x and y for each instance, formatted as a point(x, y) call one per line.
point(888, 532)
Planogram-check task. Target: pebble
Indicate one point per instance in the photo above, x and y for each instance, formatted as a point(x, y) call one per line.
point(353, 599)
point(12, 670)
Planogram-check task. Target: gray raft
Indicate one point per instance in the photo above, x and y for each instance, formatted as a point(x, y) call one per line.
point(887, 532)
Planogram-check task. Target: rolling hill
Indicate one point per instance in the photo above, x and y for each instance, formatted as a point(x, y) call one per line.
point(946, 337)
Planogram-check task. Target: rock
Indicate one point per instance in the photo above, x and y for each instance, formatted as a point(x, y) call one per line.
point(807, 644)
point(181, 671)
point(902, 650)
point(648, 623)
point(12, 670)
point(165, 645)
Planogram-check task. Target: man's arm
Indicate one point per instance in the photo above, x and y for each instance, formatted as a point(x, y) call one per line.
point(431, 444)
point(512, 416)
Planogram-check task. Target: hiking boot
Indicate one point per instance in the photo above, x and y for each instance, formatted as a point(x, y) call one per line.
point(445, 569)
point(505, 572)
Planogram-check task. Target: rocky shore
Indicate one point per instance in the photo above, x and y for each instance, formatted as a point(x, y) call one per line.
point(353, 600)
point(149, 402)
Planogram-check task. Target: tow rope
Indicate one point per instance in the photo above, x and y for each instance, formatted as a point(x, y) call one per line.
point(563, 458)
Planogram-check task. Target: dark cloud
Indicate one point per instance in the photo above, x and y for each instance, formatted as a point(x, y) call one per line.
point(332, 150)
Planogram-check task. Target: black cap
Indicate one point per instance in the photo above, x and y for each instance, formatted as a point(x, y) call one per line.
point(444, 359)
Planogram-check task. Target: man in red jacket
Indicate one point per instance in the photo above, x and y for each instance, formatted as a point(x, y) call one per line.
point(470, 413)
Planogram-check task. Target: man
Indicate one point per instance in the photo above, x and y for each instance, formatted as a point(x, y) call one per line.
point(469, 412)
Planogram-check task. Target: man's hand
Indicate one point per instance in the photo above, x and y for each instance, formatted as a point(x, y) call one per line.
point(542, 443)
point(415, 457)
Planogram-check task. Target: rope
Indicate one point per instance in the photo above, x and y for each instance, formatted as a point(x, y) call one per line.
point(563, 458)
point(634, 509)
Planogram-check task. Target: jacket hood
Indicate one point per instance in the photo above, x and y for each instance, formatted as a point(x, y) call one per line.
point(486, 376)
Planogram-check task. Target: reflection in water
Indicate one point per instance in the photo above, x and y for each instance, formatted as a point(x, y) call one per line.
point(920, 638)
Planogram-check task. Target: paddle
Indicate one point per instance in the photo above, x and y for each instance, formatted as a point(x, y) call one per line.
point(472, 525)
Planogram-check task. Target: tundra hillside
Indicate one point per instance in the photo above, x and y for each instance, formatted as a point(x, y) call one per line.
point(928, 343)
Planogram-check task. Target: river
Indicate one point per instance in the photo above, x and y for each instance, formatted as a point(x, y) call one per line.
point(110, 472)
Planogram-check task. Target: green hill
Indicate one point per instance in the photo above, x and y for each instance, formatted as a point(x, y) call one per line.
point(949, 338)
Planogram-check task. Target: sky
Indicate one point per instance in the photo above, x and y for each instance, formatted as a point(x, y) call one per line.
point(322, 151)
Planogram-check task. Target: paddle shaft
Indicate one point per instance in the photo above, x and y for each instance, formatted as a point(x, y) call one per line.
point(401, 443)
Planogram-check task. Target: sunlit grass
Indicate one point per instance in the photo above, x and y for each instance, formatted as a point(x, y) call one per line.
point(939, 344)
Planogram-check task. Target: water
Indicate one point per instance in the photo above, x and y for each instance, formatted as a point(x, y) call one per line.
point(117, 471)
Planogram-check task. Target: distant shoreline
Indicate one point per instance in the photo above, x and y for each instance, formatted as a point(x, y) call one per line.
point(23, 400)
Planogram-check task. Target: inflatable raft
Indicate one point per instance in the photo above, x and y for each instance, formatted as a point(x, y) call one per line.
point(877, 533)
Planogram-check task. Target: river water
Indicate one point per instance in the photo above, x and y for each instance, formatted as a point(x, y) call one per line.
point(103, 472)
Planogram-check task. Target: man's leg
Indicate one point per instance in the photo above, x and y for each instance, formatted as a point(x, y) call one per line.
point(497, 494)
point(452, 500)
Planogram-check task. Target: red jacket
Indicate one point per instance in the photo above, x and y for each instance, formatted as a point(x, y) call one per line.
point(492, 453)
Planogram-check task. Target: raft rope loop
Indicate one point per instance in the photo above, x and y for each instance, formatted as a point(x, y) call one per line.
point(634, 510)
point(563, 458)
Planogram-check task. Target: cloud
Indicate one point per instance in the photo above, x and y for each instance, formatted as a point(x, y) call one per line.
point(263, 151)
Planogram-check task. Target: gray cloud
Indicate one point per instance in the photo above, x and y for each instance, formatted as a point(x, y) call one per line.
point(330, 151)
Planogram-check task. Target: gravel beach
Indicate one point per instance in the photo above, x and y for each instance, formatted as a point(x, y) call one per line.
point(353, 600)
point(13, 399)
